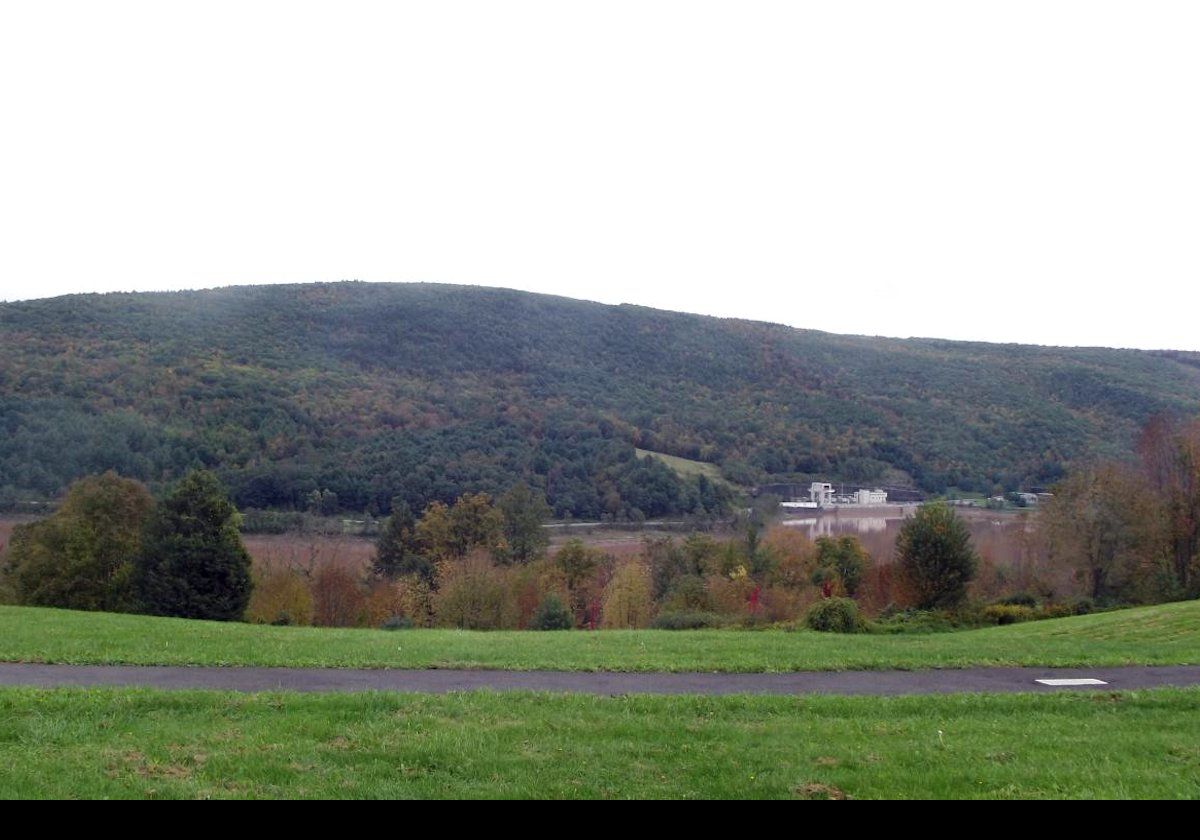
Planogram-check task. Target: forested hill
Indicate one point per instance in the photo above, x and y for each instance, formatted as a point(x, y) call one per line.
point(422, 391)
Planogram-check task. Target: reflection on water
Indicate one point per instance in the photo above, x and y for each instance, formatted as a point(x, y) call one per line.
point(832, 526)
point(1000, 536)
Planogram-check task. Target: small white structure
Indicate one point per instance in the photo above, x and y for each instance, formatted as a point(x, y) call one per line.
point(871, 497)
point(821, 494)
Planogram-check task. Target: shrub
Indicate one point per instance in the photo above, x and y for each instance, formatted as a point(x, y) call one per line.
point(737, 595)
point(934, 550)
point(784, 603)
point(1082, 606)
point(473, 594)
point(1020, 599)
point(1056, 611)
point(552, 614)
point(383, 602)
point(627, 602)
point(1008, 613)
point(791, 557)
point(835, 615)
point(687, 621)
point(416, 600)
point(688, 594)
point(280, 597)
point(338, 599)
point(915, 621)
point(843, 557)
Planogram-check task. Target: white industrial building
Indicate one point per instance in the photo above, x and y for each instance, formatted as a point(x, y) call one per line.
point(821, 494)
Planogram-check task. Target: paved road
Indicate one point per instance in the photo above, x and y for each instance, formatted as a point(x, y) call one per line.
point(440, 681)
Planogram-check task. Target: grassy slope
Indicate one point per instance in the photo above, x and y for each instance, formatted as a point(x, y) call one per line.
point(683, 466)
point(123, 743)
point(1168, 634)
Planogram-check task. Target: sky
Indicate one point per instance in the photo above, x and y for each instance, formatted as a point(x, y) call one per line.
point(1000, 171)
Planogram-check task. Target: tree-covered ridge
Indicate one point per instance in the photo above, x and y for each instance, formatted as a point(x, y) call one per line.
point(427, 392)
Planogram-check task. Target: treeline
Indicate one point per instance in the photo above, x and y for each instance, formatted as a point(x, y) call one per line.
point(1114, 534)
point(368, 393)
point(482, 565)
point(112, 547)
point(1131, 528)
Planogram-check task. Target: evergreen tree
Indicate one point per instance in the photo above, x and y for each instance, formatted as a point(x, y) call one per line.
point(934, 550)
point(193, 563)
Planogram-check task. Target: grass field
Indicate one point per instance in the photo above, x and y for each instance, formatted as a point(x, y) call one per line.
point(1162, 635)
point(685, 467)
point(132, 743)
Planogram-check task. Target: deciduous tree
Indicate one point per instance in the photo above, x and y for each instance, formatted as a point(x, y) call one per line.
point(525, 512)
point(934, 550)
point(82, 556)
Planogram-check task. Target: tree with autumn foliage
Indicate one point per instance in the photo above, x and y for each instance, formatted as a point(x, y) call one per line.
point(1104, 521)
point(1170, 456)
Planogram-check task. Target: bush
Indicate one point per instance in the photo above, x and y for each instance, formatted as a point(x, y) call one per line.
point(552, 614)
point(688, 594)
point(835, 615)
point(1020, 599)
point(1082, 606)
point(338, 598)
point(915, 621)
point(627, 601)
point(473, 594)
point(1056, 611)
point(688, 621)
point(842, 559)
point(383, 600)
point(1008, 613)
point(280, 597)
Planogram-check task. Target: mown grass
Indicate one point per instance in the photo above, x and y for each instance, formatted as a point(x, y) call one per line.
point(685, 467)
point(90, 743)
point(1162, 635)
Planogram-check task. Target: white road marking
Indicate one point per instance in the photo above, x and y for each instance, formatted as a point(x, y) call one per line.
point(1060, 683)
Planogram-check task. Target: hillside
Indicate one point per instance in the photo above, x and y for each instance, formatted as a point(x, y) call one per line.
point(424, 391)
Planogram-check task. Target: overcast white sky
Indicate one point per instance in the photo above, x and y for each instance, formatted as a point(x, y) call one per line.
point(1003, 171)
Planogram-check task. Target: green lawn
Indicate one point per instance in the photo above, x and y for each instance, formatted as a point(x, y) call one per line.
point(135, 743)
point(1163, 635)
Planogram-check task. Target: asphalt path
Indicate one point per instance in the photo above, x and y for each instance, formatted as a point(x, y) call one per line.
point(877, 683)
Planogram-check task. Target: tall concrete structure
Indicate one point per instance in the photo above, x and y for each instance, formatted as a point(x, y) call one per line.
point(821, 493)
